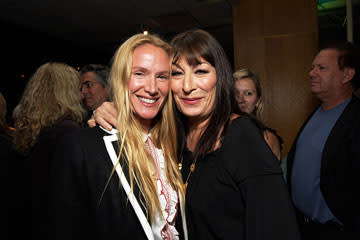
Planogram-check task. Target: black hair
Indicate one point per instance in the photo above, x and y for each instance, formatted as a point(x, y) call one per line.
point(349, 56)
point(191, 45)
point(101, 72)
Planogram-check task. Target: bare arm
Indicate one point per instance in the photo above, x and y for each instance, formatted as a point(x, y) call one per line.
point(105, 116)
point(273, 142)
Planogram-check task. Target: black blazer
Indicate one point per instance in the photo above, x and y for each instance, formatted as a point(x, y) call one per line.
point(340, 166)
point(86, 202)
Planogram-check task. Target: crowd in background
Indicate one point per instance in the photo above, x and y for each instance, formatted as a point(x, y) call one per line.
point(196, 159)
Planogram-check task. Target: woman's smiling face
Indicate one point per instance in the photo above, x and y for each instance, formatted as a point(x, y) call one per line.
point(149, 82)
point(194, 88)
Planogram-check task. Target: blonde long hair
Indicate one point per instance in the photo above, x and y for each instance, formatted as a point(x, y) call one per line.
point(163, 132)
point(50, 94)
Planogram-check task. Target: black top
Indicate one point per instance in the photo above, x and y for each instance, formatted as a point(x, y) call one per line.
point(37, 168)
point(237, 191)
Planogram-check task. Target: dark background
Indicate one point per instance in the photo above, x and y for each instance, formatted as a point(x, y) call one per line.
point(25, 48)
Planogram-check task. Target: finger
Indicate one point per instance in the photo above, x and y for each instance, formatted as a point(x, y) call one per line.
point(91, 122)
point(103, 123)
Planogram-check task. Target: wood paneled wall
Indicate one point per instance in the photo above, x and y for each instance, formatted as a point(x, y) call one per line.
point(278, 39)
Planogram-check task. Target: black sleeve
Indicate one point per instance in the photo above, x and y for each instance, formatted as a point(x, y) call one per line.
point(69, 214)
point(269, 213)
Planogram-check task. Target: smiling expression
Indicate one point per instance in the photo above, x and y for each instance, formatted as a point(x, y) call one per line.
point(194, 88)
point(149, 82)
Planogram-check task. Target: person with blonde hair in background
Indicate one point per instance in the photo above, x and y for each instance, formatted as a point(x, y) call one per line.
point(124, 183)
point(50, 108)
point(248, 94)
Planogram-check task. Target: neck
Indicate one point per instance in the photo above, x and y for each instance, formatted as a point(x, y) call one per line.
point(196, 129)
point(145, 126)
point(335, 100)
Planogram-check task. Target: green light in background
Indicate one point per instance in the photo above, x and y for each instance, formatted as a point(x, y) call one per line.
point(329, 4)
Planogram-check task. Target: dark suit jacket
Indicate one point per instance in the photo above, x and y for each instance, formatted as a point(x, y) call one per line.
point(88, 200)
point(35, 172)
point(340, 166)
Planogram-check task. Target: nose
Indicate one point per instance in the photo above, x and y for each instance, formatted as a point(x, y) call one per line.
point(151, 85)
point(240, 97)
point(83, 90)
point(188, 84)
point(313, 72)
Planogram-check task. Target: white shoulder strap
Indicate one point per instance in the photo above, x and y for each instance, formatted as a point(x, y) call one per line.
point(125, 184)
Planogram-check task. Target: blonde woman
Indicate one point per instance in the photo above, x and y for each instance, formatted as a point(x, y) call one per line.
point(50, 108)
point(248, 95)
point(124, 183)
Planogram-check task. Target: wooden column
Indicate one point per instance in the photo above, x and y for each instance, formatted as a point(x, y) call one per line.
point(278, 39)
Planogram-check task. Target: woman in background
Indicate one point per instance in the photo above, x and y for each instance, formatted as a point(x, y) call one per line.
point(248, 94)
point(50, 108)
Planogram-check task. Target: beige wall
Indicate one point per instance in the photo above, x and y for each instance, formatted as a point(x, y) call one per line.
point(278, 39)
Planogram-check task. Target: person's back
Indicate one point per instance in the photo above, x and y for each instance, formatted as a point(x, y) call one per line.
point(50, 107)
point(38, 166)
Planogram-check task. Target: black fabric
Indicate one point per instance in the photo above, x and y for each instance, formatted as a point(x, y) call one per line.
point(237, 191)
point(35, 180)
point(340, 165)
point(84, 206)
point(311, 230)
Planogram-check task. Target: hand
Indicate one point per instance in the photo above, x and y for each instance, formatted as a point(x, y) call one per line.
point(105, 115)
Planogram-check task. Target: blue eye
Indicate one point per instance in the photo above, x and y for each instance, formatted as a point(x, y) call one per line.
point(163, 77)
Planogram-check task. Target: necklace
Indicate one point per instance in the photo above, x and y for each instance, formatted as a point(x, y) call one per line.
point(192, 169)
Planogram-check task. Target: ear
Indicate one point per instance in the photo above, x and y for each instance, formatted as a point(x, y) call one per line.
point(349, 74)
point(258, 102)
point(107, 89)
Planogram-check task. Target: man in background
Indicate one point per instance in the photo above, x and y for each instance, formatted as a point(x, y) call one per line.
point(95, 86)
point(324, 160)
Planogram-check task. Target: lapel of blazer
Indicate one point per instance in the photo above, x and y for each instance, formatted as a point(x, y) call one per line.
point(183, 216)
point(125, 184)
point(338, 135)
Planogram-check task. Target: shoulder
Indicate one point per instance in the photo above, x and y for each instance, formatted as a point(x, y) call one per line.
point(86, 136)
point(274, 141)
point(351, 113)
point(81, 148)
point(245, 152)
point(355, 104)
point(240, 124)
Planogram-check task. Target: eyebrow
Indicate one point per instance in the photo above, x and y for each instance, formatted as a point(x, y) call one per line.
point(177, 65)
point(164, 72)
point(87, 81)
point(146, 70)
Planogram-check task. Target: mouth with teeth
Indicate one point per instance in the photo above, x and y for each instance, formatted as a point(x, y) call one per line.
point(147, 100)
